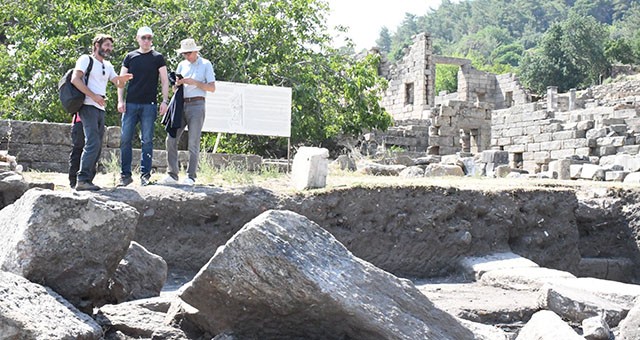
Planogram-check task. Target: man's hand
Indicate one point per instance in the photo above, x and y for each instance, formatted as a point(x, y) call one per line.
point(98, 99)
point(188, 81)
point(163, 108)
point(122, 79)
point(121, 106)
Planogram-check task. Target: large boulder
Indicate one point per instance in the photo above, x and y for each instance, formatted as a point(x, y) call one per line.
point(282, 276)
point(139, 275)
point(31, 311)
point(12, 186)
point(581, 298)
point(547, 325)
point(630, 326)
point(70, 243)
point(138, 319)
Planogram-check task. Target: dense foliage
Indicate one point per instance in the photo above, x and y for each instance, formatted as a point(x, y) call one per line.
point(281, 43)
point(566, 43)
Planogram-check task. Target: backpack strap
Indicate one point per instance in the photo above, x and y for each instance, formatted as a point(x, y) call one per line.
point(86, 74)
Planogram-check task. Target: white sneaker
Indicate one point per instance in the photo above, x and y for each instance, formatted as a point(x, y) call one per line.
point(189, 181)
point(168, 180)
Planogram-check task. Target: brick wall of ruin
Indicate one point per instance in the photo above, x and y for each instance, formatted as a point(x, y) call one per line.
point(534, 135)
point(476, 86)
point(509, 92)
point(411, 82)
point(454, 120)
point(46, 147)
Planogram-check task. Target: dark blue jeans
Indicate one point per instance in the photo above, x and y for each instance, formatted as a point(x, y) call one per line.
point(93, 128)
point(146, 115)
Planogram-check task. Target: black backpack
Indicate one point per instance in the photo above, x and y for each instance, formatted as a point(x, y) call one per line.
point(70, 97)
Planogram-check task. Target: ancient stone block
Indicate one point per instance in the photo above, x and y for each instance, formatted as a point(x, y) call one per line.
point(575, 170)
point(585, 125)
point(611, 121)
point(630, 149)
point(517, 148)
point(592, 171)
point(596, 133)
point(561, 168)
point(611, 141)
point(547, 325)
point(553, 145)
point(533, 147)
point(574, 143)
point(542, 157)
point(562, 135)
point(495, 156)
point(522, 140)
point(31, 311)
point(620, 129)
point(583, 152)
point(71, 242)
point(615, 176)
point(542, 137)
point(552, 127)
point(310, 168)
point(562, 153)
point(514, 132)
point(242, 289)
point(533, 130)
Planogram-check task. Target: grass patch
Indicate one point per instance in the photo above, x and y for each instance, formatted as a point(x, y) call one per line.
point(235, 173)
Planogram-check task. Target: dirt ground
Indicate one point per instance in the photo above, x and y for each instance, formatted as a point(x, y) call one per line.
point(414, 228)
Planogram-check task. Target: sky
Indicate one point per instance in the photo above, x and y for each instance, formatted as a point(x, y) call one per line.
point(365, 18)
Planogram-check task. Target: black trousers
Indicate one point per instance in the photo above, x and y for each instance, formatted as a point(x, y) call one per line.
point(77, 141)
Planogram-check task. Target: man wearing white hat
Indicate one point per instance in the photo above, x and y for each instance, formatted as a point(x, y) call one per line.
point(198, 78)
point(141, 106)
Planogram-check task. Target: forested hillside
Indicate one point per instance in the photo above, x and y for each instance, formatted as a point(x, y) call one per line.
point(547, 42)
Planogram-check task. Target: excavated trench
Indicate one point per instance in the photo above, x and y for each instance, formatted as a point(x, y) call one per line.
point(411, 231)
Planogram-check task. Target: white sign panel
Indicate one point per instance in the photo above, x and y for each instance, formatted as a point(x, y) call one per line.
point(249, 109)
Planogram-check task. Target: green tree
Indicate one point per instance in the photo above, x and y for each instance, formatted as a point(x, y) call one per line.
point(384, 40)
point(620, 50)
point(446, 78)
point(507, 54)
point(281, 43)
point(571, 54)
point(402, 38)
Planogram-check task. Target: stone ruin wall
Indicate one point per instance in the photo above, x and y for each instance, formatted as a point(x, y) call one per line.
point(509, 92)
point(46, 147)
point(476, 86)
point(410, 94)
point(456, 123)
point(441, 125)
point(565, 127)
point(464, 124)
point(494, 112)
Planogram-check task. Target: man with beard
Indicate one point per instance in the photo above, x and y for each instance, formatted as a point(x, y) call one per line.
point(93, 111)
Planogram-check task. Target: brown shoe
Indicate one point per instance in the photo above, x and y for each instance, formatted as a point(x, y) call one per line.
point(86, 185)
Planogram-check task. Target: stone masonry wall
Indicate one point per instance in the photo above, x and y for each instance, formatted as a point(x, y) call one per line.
point(536, 136)
point(454, 119)
point(476, 86)
point(46, 147)
point(411, 82)
point(509, 92)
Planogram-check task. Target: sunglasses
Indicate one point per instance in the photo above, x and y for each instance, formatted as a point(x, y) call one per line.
point(147, 37)
point(186, 53)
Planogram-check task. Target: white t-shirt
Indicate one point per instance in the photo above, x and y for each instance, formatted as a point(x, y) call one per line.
point(101, 73)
